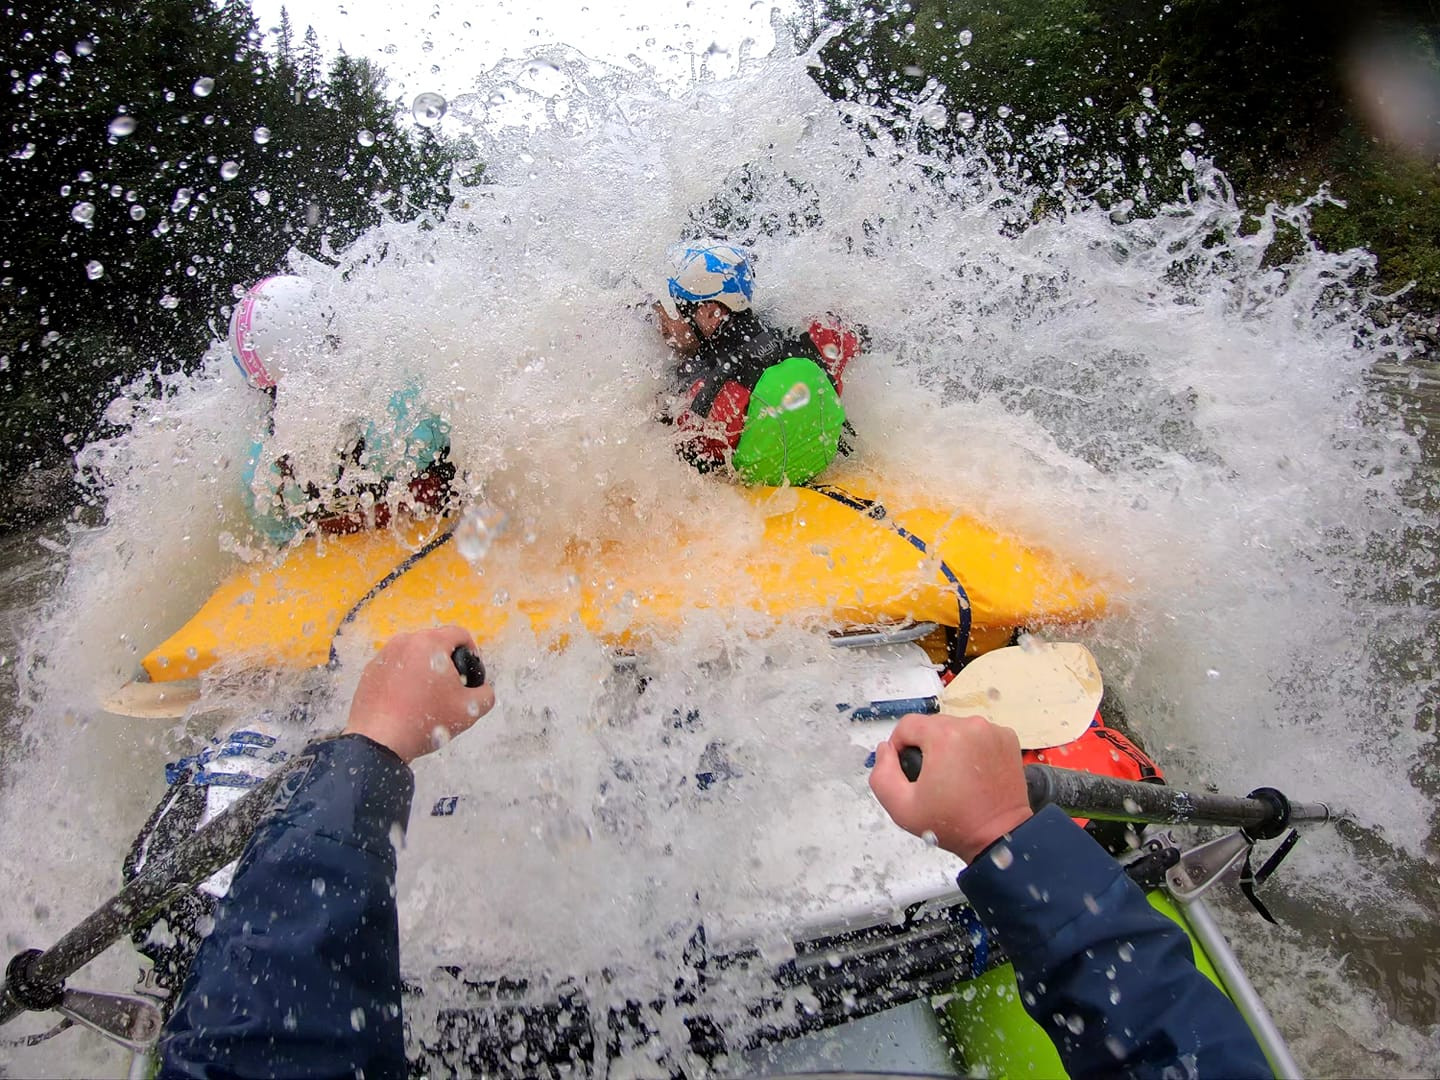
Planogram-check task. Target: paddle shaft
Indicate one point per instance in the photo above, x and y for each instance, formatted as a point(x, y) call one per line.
point(1264, 813)
point(35, 976)
point(35, 979)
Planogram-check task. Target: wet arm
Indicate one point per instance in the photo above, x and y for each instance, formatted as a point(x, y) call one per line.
point(1112, 981)
point(301, 973)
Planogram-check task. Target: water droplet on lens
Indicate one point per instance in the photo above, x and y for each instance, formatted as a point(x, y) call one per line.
point(229, 170)
point(797, 397)
point(365, 137)
point(137, 212)
point(84, 48)
point(428, 108)
point(931, 840)
point(169, 303)
point(263, 198)
point(122, 126)
point(25, 153)
point(203, 86)
point(1002, 856)
point(262, 135)
point(83, 212)
point(94, 269)
point(1194, 130)
point(478, 530)
point(966, 37)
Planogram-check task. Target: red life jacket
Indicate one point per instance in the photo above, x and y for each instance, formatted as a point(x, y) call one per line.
point(837, 345)
point(715, 420)
point(1101, 750)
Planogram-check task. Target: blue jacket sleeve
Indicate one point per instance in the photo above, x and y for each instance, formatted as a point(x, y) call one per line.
point(1111, 980)
point(300, 976)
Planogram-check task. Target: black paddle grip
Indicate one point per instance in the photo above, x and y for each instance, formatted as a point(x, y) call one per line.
point(468, 663)
point(910, 761)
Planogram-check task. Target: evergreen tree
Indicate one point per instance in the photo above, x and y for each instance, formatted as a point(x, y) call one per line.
point(157, 158)
point(310, 63)
point(285, 41)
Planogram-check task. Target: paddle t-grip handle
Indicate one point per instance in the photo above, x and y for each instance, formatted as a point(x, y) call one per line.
point(910, 761)
point(468, 663)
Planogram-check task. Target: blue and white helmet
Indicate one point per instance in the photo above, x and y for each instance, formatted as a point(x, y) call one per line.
point(709, 270)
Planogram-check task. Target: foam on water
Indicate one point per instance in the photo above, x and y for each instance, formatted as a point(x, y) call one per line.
point(1154, 400)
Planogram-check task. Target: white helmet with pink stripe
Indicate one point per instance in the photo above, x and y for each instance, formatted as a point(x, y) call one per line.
point(274, 317)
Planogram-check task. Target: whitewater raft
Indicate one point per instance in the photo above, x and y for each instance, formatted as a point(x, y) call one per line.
point(815, 555)
point(880, 953)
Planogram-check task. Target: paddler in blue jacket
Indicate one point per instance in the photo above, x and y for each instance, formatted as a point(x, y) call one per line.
point(273, 323)
point(300, 976)
point(1111, 980)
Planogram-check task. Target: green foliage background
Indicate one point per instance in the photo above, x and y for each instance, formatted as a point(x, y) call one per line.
point(1261, 86)
point(1089, 98)
point(174, 237)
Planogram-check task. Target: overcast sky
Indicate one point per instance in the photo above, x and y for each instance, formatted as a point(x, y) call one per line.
point(440, 46)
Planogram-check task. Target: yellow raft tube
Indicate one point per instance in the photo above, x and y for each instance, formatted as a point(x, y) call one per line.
point(818, 554)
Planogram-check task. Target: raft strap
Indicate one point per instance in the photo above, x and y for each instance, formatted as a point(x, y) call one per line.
point(379, 587)
point(957, 638)
point(1251, 878)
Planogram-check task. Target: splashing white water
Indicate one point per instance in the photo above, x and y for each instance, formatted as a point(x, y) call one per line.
point(1151, 399)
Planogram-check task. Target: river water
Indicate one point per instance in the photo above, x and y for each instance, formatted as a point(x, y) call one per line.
point(1227, 438)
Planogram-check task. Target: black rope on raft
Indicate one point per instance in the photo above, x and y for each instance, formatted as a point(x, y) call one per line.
point(36, 1040)
point(379, 587)
point(957, 638)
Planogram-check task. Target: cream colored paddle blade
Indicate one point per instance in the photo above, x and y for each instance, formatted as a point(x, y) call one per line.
point(1046, 693)
point(153, 700)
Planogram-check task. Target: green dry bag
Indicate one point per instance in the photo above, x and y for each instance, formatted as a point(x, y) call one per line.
point(793, 425)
